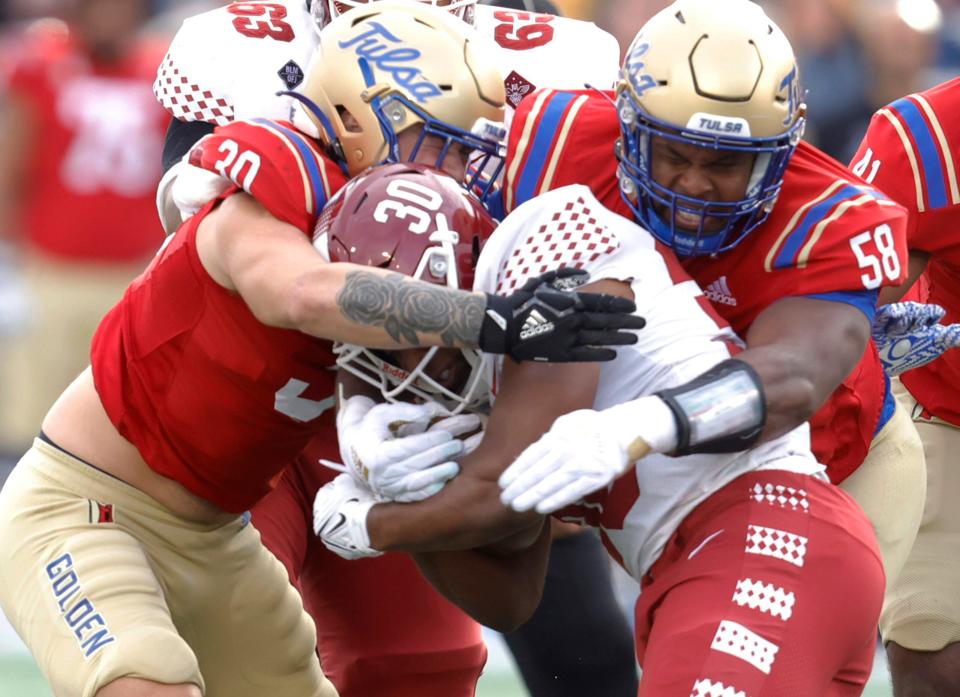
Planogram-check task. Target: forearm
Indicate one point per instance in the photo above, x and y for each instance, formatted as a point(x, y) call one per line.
point(802, 356)
point(378, 309)
point(287, 284)
point(791, 391)
point(466, 515)
point(498, 590)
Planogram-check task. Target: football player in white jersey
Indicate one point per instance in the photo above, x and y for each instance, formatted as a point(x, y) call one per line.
point(758, 577)
point(228, 64)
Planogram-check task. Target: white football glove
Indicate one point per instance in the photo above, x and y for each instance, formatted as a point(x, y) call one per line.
point(184, 190)
point(340, 517)
point(585, 451)
point(393, 449)
point(909, 335)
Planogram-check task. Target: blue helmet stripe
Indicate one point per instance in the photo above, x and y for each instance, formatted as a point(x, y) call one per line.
point(542, 142)
point(930, 158)
point(309, 160)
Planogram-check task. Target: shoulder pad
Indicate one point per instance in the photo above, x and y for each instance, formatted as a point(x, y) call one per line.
point(559, 138)
point(283, 169)
point(230, 61)
point(907, 153)
point(567, 227)
point(846, 236)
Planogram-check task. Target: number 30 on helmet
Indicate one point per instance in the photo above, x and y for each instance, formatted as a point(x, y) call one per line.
point(418, 221)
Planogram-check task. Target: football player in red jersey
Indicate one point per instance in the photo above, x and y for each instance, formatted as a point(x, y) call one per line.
point(793, 610)
point(790, 246)
point(440, 650)
point(909, 152)
point(127, 566)
point(61, 84)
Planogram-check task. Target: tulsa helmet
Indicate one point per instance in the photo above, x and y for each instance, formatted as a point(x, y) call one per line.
point(387, 66)
point(717, 75)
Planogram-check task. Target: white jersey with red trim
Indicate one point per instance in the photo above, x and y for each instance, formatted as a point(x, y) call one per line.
point(230, 62)
point(683, 338)
point(541, 50)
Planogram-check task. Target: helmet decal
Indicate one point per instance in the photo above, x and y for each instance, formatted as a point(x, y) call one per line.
point(383, 51)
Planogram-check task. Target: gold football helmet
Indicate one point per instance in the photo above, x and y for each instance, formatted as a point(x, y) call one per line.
point(717, 75)
point(386, 66)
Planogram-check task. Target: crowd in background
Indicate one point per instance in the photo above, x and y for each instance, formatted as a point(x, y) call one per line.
point(77, 218)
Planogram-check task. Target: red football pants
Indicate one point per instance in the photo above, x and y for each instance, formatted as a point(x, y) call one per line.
point(381, 628)
point(770, 588)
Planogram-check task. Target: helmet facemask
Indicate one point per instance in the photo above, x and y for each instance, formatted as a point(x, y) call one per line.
point(415, 220)
point(710, 76)
point(398, 66)
point(396, 384)
point(643, 195)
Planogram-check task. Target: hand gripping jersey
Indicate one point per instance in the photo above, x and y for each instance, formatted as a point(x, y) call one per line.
point(229, 62)
point(910, 153)
point(830, 234)
point(212, 398)
point(683, 338)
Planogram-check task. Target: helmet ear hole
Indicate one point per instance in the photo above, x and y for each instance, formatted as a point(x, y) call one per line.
point(349, 121)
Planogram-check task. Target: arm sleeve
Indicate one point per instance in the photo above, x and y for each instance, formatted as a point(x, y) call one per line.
point(181, 136)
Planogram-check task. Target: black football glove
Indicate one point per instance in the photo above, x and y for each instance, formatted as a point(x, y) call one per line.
point(546, 320)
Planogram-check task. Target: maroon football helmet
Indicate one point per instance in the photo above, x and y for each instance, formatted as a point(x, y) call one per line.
point(418, 221)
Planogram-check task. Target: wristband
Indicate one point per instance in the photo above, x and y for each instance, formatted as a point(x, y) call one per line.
point(722, 411)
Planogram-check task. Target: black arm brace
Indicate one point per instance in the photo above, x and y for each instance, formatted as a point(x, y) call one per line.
point(722, 411)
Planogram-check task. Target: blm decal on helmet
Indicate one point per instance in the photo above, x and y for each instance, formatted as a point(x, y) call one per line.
point(100, 512)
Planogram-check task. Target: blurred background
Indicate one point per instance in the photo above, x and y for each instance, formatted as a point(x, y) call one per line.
point(77, 216)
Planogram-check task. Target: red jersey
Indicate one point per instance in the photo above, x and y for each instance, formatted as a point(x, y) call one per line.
point(830, 234)
point(211, 397)
point(93, 162)
point(910, 153)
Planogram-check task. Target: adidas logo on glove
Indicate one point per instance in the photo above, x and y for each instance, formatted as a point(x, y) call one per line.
point(534, 325)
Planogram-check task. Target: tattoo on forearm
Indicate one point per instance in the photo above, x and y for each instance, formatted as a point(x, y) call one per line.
point(404, 307)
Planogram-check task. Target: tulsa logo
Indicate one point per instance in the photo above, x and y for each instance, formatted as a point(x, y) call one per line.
point(792, 86)
point(636, 69)
point(378, 47)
